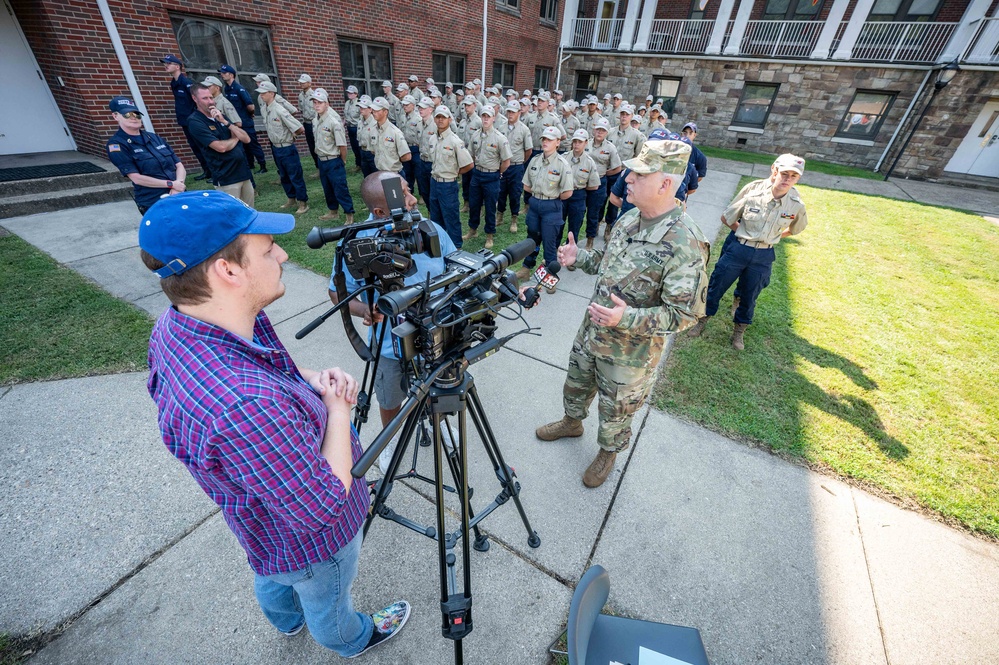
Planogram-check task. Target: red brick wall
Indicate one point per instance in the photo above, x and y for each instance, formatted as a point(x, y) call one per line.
point(69, 40)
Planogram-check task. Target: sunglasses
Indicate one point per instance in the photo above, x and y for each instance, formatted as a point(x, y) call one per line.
point(131, 115)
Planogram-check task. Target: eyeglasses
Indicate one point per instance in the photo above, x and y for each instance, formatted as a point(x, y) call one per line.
point(131, 115)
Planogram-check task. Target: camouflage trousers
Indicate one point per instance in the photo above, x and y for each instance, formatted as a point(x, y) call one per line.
point(622, 391)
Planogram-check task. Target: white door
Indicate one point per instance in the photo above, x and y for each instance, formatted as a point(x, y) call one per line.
point(978, 153)
point(607, 25)
point(33, 123)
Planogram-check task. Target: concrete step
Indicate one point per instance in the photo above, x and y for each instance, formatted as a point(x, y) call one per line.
point(60, 183)
point(63, 199)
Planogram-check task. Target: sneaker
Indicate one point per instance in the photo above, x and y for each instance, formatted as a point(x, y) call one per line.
point(449, 435)
point(388, 623)
point(295, 631)
point(385, 457)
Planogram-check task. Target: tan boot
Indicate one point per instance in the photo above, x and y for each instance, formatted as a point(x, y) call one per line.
point(698, 327)
point(607, 233)
point(489, 241)
point(330, 217)
point(350, 218)
point(737, 341)
point(524, 273)
point(464, 208)
point(599, 469)
point(735, 304)
point(589, 243)
point(471, 234)
point(513, 225)
point(303, 207)
point(567, 427)
point(287, 204)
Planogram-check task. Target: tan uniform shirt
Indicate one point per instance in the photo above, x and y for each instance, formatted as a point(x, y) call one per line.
point(467, 125)
point(280, 123)
point(584, 171)
point(542, 120)
point(366, 133)
point(450, 156)
point(520, 140)
point(589, 120)
point(228, 110)
point(413, 128)
point(278, 99)
point(416, 93)
point(489, 149)
point(389, 148)
point(628, 143)
point(451, 101)
point(351, 113)
point(570, 124)
point(548, 177)
point(330, 135)
point(308, 112)
point(761, 217)
point(604, 155)
point(428, 140)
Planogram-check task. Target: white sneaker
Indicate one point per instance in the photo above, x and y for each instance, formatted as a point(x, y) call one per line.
point(449, 435)
point(385, 457)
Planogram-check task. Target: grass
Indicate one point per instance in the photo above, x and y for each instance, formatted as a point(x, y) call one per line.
point(873, 353)
point(56, 324)
point(768, 159)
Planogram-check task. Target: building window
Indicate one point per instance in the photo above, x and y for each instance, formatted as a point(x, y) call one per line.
point(542, 77)
point(449, 67)
point(904, 10)
point(504, 73)
point(207, 44)
point(867, 111)
point(365, 65)
point(549, 11)
point(513, 5)
point(792, 10)
point(586, 84)
point(666, 89)
point(754, 105)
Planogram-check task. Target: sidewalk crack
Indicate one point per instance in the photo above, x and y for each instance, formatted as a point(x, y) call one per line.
point(870, 578)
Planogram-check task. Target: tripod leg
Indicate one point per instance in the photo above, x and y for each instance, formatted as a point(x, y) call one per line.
point(481, 542)
point(385, 484)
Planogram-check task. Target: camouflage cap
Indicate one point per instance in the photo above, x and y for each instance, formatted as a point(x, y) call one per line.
point(661, 156)
point(789, 162)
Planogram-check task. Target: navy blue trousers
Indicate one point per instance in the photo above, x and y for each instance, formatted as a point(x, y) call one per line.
point(423, 170)
point(254, 151)
point(333, 177)
point(751, 267)
point(367, 163)
point(466, 183)
point(196, 149)
point(511, 189)
point(484, 189)
point(409, 168)
point(289, 167)
point(573, 210)
point(355, 147)
point(611, 210)
point(444, 208)
point(595, 200)
point(310, 139)
point(544, 226)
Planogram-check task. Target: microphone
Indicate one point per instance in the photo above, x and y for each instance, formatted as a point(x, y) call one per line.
point(500, 262)
point(547, 276)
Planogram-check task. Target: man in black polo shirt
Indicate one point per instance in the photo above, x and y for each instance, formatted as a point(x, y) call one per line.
point(183, 106)
point(220, 141)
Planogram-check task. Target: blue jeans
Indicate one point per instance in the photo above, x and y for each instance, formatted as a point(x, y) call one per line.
point(594, 204)
point(511, 189)
point(749, 265)
point(484, 189)
point(575, 207)
point(423, 170)
point(289, 167)
point(319, 596)
point(444, 208)
point(333, 178)
point(544, 225)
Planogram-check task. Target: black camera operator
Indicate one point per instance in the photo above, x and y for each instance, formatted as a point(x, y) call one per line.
point(391, 381)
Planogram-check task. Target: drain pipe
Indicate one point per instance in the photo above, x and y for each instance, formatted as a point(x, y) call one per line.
point(485, 39)
point(126, 68)
point(902, 122)
point(558, 76)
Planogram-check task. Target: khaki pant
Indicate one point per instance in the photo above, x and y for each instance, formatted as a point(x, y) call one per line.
point(239, 190)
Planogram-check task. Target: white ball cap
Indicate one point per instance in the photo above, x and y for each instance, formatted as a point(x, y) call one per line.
point(319, 94)
point(401, 87)
point(380, 104)
point(601, 123)
point(442, 111)
point(513, 106)
point(305, 78)
point(488, 110)
point(409, 99)
point(551, 133)
point(580, 135)
point(351, 89)
point(425, 102)
point(386, 84)
point(469, 101)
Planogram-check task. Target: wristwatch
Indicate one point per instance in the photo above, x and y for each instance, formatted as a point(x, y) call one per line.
point(169, 184)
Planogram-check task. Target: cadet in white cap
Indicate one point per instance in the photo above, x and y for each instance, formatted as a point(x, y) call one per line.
point(608, 106)
point(308, 114)
point(282, 127)
point(352, 118)
point(512, 182)
point(608, 163)
point(592, 114)
point(264, 78)
point(331, 150)
point(451, 160)
point(414, 90)
point(570, 123)
point(544, 118)
point(491, 155)
point(468, 122)
point(390, 146)
point(585, 179)
point(428, 132)
point(411, 128)
point(762, 213)
point(450, 98)
point(548, 179)
point(367, 133)
point(657, 119)
point(221, 103)
point(629, 142)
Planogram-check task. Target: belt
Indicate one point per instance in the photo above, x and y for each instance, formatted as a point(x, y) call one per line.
point(426, 161)
point(516, 163)
point(306, 122)
point(326, 159)
point(444, 179)
point(281, 145)
point(758, 244)
point(545, 198)
point(414, 145)
point(485, 171)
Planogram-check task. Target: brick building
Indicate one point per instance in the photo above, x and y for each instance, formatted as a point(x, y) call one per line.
point(88, 50)
point(843, 81)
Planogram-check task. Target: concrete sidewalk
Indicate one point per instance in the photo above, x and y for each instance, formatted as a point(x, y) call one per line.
point(107, 537)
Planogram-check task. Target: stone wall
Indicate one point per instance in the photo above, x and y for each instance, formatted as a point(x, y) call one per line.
point(810, 104)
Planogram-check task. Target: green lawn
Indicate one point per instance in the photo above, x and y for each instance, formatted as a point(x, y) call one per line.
point(56, 324)
point(874, 353)
point(768, 159)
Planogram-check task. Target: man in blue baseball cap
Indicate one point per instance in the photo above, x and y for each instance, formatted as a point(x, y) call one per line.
point(270, 442)
point(183, 106)
point(142, 157)
point(241, 99)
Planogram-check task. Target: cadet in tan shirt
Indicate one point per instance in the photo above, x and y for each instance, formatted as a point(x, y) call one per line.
point(608, 164)
point(308, 114)
point(331, 150)
point(512, 182)
point(221, 103)
point(365, 136)
point(629, 142)
point(412, 127)
point(549, 181)
point(451, 160)
point(281, 130)
point(351, 119)
point(491, 154)
point(570, 123)
point(390, 146)
point(264, 78)
point(428, 133)
point(585, 179)
point(469, 123)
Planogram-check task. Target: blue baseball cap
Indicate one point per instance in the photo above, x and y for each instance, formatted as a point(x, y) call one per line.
point(227, 69)
point(185, 229)
point(123, 104)
point(170, 57)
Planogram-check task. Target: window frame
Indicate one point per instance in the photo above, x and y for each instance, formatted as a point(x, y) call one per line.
point(552, 17)
point(503, 64)
point(902, 14)
point(872, 135)
point(667, 101)
point(449, 60)
point(791, 13)
point(742, 96)
point(538, 83)
point(509, 6)
point(375, 82)
point(579, 93)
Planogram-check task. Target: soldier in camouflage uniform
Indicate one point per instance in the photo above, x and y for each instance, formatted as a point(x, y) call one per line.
point(651, 283)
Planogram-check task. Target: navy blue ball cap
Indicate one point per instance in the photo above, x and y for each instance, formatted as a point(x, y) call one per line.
point(227, 69)
point(122, 104)
point(185, 229)
point(170, 57)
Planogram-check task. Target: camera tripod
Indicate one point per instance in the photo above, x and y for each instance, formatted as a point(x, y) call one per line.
point(447, 390)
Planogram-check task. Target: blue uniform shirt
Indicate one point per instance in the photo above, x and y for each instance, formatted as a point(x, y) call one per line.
point(424, 264)
point(183, 104)
point(620, 190)
point(145, 154)
point(240, 98)
point(699, 161)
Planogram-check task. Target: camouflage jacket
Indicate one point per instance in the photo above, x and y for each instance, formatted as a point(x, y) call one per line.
point(660, 273)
